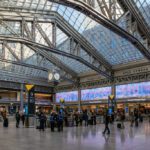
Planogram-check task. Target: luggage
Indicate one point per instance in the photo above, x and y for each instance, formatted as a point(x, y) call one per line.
point(5, 124)
point(141, 119)
point(136, 123)
point(119, 125)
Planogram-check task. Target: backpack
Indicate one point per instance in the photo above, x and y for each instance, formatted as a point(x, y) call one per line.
point(60, 118)
point(51, 118)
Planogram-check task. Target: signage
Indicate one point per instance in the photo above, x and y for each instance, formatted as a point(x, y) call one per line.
point(31, 99)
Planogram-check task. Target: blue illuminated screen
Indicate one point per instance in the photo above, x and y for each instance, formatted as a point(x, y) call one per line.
point(95, 94)
point(67, 96)
point(133, 90)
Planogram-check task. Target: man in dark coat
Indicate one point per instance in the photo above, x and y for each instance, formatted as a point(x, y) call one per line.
point(17, 119)
point(107, 118)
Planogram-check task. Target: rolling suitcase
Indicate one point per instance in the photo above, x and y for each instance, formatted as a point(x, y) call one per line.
point(119, 125)
point(5, 124)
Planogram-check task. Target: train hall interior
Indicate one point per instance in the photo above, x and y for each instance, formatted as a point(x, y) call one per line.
point(70, 70)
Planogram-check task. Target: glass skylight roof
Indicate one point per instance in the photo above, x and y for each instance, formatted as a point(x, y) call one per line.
point(144, 8)
point(112, 47)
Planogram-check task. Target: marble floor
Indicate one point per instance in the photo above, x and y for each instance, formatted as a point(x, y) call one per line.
point(76, 138)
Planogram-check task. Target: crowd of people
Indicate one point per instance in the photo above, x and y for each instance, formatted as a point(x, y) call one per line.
point(84, 118)
point(62, 118)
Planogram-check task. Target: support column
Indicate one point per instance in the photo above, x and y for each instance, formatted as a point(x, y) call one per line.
point(21, 98)
point(54, 34)
point(54, 101)
point(79, 99)
point(113, 90)
point(33, 30)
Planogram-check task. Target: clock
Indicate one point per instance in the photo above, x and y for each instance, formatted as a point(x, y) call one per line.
point(50, 76)
point(56, 76)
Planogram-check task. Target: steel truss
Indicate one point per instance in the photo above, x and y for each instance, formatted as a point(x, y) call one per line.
point(53, 50)
point(95, 62)
point(135, 21)
point(98, 17)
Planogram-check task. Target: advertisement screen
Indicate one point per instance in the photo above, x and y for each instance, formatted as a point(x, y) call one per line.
point(95, 94)
point(67, 96)
point(133, 90)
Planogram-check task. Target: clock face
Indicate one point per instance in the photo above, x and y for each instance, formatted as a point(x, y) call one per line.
point(56, 76)
point(50, 76)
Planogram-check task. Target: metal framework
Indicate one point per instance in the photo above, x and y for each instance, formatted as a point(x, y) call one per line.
point(135, 21)
point(98, 17)
point(95, 60)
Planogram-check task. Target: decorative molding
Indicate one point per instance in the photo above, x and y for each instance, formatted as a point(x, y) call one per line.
point(125, 79)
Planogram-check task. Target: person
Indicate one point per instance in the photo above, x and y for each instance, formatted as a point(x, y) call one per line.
point(52, 122)
point(89, 117)
point(76, 119)
point(45, 121)
point(42, 122)
point(60, 122)
point(94, 118)
point(17, 119)
point(136, 116)
point(23, 118)
point(85, 117)
point(122, 119)
point(113, 117)
point(80, 118)
point(106, 124)
point(140, 117)
point(66, 119)
point(5, 123)
point(132, 119)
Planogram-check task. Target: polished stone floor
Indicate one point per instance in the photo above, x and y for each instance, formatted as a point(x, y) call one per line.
point(76, 138)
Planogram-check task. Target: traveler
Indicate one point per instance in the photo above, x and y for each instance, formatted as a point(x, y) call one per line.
point(136, 117)
point(5, 123)
point(122, 119)
point(42, 121)
point(132, 119)
point(85, 117)
point(60, 122)
point(17, 119)
point(23, 119)
point(66, 119)
point(52, 122)
point(76, 119)
point(94, 118)
point(80, 118)
point(107, 119)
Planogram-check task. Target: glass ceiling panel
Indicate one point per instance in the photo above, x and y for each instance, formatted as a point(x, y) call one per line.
point(23, 70)
point(144, 8)
point(73, 64)
point(7, 26)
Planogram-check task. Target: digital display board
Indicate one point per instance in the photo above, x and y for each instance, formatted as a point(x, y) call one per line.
point(133, 90)
point(95, 94)
point(67, 96)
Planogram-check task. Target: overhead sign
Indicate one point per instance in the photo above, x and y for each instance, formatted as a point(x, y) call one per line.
point(112, 97)
point(31, 99)
point(29, 86)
